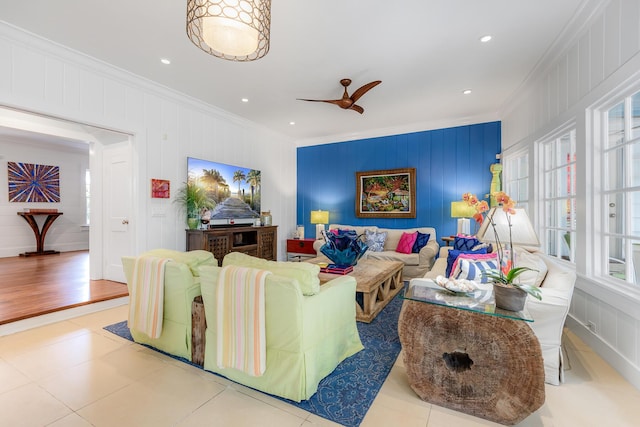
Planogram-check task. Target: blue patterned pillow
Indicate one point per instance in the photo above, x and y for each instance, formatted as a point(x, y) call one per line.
point(375, 240)
point(421, 242)
point(474, 269)
point(465, 243)
point(453, 255)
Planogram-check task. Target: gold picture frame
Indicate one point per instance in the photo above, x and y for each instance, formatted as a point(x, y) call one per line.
point(386, 193)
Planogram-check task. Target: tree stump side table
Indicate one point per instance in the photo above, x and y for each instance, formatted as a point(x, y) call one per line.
point(480, 364)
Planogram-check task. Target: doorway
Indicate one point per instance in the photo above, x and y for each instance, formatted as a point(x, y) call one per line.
point(98, 142)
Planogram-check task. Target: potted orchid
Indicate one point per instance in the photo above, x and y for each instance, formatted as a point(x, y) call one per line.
point(504, 277)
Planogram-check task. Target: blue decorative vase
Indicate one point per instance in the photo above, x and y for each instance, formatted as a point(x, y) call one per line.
point(344, 249)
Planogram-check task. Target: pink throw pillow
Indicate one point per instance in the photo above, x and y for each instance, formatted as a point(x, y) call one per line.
point(405, 245)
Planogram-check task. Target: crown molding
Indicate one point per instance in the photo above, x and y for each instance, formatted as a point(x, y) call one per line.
point(27, 40)
point(400, 130)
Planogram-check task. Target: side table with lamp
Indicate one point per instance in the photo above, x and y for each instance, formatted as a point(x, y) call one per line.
point(319, 218)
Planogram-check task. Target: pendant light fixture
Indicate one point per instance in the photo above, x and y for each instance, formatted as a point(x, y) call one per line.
point(236, 30)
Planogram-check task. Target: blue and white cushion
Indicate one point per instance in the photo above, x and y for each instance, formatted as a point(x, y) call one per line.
point(375, 240)
point(472, 269)
point(465, 243)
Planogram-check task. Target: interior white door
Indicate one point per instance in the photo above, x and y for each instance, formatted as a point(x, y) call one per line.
point(117, 200)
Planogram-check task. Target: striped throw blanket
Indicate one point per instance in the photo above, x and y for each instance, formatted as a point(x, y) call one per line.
point(146, 301)
point(241, 337)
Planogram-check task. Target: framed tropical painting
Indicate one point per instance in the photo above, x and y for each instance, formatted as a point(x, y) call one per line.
point(386, 193)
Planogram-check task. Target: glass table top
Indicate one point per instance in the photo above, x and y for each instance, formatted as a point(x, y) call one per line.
point(479, 301)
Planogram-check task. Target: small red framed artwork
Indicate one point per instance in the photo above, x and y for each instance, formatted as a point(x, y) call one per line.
point(160, 188)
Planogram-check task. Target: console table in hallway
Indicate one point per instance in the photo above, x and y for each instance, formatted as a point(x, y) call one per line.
point(40, 234)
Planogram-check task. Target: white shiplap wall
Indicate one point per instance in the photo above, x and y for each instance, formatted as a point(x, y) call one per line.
point(598, 55)
point(167, 127)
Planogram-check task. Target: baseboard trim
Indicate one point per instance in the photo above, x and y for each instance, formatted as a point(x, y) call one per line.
point(628, 370)
point(58, 316)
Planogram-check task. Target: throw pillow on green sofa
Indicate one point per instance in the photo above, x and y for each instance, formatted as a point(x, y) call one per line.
point(193, 259)
point(305, 273)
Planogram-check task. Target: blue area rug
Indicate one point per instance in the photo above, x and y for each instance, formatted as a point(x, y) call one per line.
point(345, 396)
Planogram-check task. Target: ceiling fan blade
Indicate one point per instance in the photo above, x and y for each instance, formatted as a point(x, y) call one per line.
point(346, 102)
point(364, 89)
point(330, 101)
point(342, 103)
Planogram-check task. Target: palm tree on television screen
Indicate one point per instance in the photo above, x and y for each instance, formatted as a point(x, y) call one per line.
point(239, 176)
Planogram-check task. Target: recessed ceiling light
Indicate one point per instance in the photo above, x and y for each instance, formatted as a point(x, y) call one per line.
point(466, 91)
point(292, 123)
point(485, 39)
point(245, 99)
point(165, 61)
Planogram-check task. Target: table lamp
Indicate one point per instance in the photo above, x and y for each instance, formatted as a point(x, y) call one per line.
point(320, 218)
point(463, 212)
point(521, 234)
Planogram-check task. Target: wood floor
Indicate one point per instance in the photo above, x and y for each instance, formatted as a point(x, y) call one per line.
point(32, 286)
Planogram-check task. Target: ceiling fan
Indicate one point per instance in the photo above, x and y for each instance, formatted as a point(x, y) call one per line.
point(348, 102)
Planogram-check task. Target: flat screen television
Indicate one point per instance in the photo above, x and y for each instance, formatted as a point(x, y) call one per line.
point(234, 191)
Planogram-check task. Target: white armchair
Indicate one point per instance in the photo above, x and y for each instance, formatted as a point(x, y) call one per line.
point(549, 314)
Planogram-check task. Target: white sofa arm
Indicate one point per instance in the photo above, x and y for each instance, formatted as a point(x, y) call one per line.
point(549, 315)
point(317, 245)
point(427, 254)
point(444, 251)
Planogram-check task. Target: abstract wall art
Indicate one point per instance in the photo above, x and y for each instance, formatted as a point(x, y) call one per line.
point(33, 183)
point(160, 188)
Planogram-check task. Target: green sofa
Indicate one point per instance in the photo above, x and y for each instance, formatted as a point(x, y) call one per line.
point(181, 286)
point(307, 336)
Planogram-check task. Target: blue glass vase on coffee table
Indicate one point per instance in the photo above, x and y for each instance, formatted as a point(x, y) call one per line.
point(343, 249)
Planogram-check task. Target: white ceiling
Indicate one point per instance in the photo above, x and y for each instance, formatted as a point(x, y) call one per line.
point(426, 52)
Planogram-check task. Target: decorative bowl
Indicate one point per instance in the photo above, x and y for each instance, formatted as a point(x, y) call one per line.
point(343, 249)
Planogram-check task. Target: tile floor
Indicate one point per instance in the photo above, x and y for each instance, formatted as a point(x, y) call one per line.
point(73, 373)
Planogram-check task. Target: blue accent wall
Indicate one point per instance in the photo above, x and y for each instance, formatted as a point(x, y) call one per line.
point(448, 162)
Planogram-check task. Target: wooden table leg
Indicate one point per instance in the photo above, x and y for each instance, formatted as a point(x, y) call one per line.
point(198, 329)
point(375, 300)
point(39, 234)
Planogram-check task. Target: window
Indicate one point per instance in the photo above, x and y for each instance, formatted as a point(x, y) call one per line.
point(87, 195)
point(558, 198)
point(621, 189)
point(516, 183)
